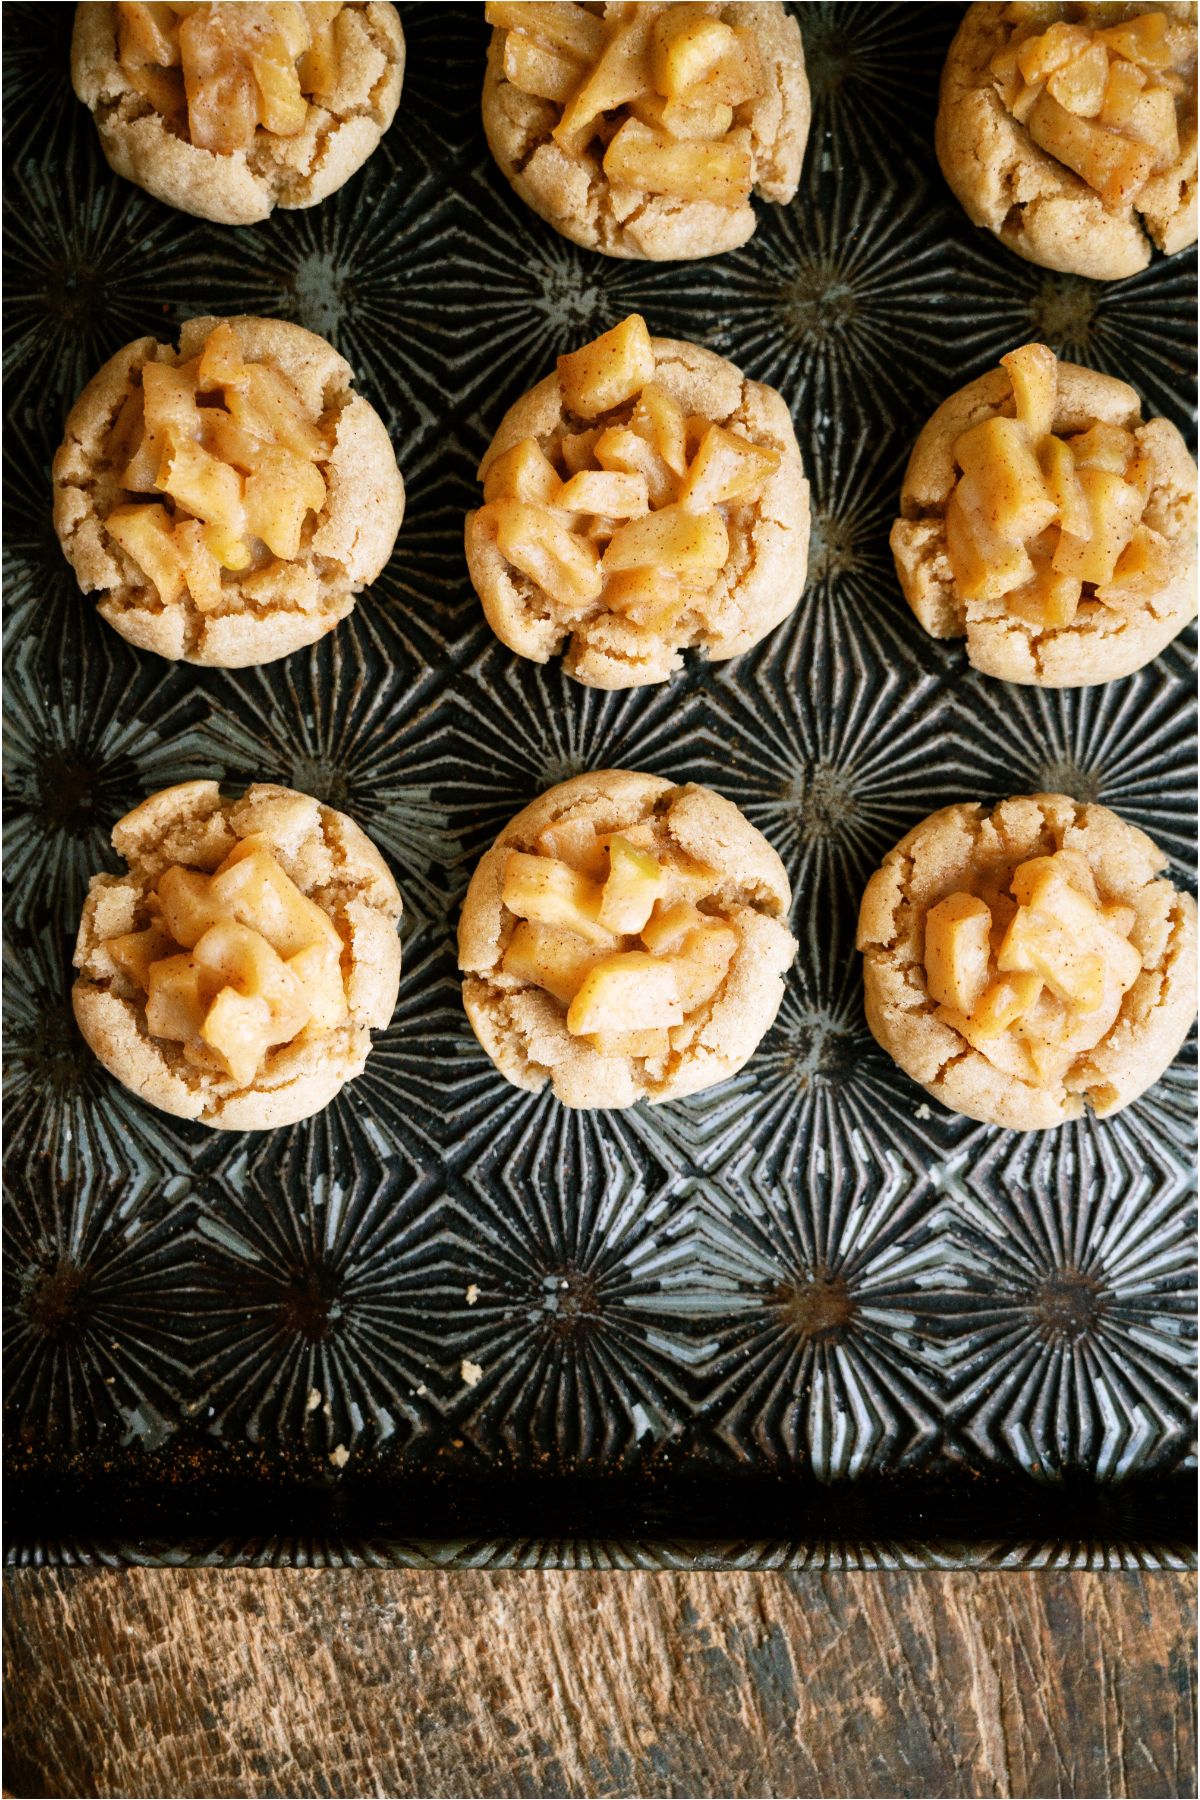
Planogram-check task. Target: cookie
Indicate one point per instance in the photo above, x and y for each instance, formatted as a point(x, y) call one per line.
point(235, 972)
point(1069, 132)
point(1043, 521)
point(644, 500)
point(227, 111)
point(1026, 963)
point(642, 131)
point(229, 499)
point(624, 939)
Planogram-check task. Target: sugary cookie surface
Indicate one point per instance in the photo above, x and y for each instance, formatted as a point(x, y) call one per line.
point(657, 94)
point(231, 965)
point(627, 510)
point(221, 458)
point(1031, 968)
point(220, 73)
point(621, 929)
point(1047, 525)
point(1099, 88)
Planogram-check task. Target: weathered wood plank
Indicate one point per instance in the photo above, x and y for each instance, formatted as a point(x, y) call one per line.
point(264, 1682)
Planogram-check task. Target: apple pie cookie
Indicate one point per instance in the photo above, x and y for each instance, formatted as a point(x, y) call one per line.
point(235, 972)
point(645, 499)
point(1025, 963)
point(227, 111)
point(1046, 524)
point(624, 939)
point(1069, 131)
point(229, 499)
point(642, 130)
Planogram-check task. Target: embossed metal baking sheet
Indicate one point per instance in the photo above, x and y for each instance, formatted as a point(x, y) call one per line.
point(804, 1316)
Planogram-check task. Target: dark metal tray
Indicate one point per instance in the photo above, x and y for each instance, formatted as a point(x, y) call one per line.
point(804, 1317)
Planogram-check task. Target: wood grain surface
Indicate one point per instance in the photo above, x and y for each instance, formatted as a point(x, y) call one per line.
point(268, 1682)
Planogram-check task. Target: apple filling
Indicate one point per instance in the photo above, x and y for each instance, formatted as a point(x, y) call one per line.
point(233, 964)
point(1042, 524)
point(613, 927)
point(230, 447)
point(219, 73)
point(629, 515)
point(1100, 98)
point(657, 94)
point(1031, 973)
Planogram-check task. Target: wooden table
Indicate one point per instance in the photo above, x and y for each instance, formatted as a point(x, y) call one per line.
point(265, 1682)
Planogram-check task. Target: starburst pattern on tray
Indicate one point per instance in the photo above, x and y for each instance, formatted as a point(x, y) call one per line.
point(816, 1299)
point(95, 1339)
point(1074, 1348)
point(810, 1270)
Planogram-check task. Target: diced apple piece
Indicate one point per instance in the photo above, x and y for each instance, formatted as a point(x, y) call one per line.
point(550, 893)
point(1039, 57)
point(523, 473)
point(702, 962)
point(1072, 966)
point(203, 486)
point(726, 467)
point(1050, 601)
point(319, 66)
point(1142, 572)
point(1116, 167)
point(563, 564)
point(631, 991)
point(722, 173)
point(657, 418)
point(539, 70)
point(619, 76)
point(231, 955)
point(559, 23)
point(957, 950)
point(163, 88)
point(1125, 86)
point(1039, 879)
point(574, 842)
point(1118, 918)
point(635, 881)
point(1033, 371)
point(985, 566)
point(188, 905)
point(646, 1044)
point(1116, 509)
point(651, 597)
point(1151, 118)
point(145, 532)
point(318, 968)
point(669, 924)
point(282, 108)
point(601, 492)
point(265, 402)
point(134, 952)
point(624, 450)
point(257, 893)
point(552, 957)
point(175, 1000)
point(168, 404)
point(998, 462)
point(238, 1028)
point(687, 46)
point(698, 121)
point(1080, 85)
point(222, 97)
point(1103, 447)
point(1001, 1049)
point(1141, 40)
point(279, 496)
point(609, 371)
point(1057, 462)
point(202, 571)
point(146, 34)
point(671, 539)
point(1003, 1002)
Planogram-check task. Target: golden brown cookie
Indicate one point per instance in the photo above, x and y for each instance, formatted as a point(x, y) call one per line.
point(227, 111)
point(643, 130)
point(235, 973)
point(1046, 524)
point(624, 939)
point(229, 499)
point(1028, 962)
point(1069, 132)
point(645, 499)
